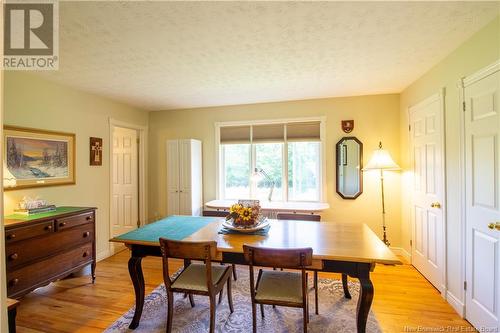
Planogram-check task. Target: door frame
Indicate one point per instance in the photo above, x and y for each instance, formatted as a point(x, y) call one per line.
point(439, 96)
point(143, 167)
point(461, 85)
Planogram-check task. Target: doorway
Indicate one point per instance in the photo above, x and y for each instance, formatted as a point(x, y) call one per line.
point(127, 179)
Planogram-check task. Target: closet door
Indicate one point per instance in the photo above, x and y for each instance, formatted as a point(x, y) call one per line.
point(184, 162)
point(172, 177)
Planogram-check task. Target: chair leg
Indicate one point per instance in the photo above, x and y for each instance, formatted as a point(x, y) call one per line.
point(254, 318)
point(170, 311)
point(316, 291)
point(230, 296)
point(262, 310)
point(191, 300)
point(212, 314)
point(220, 295)
point(306, 319)
point(235, 277)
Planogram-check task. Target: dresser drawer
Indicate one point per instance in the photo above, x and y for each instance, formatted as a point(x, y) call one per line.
point(20, 233)
point(19, 253)
point(42, 272)
point(73, 221)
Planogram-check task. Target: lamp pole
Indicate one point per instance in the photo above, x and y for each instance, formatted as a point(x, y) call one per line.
point(384, 227)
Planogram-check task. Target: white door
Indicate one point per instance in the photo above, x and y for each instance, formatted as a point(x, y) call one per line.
point(185, 177)
point(482, 172)
point(125, 203)
point(427, 205)
point(173, 177)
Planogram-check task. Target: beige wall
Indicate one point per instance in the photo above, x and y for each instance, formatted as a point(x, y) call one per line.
point(31, 101)
point(376, 118)
point(480, 50)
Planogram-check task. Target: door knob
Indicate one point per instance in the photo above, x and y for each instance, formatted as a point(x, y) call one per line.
point(435, 205)
point(492, 226)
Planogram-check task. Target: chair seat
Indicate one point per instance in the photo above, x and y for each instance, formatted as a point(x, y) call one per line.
point(280, 286)
point(194, 277)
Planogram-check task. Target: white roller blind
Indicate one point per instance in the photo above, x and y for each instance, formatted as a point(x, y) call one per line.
point(235, 134)
point(268, 133)
point(307, 131)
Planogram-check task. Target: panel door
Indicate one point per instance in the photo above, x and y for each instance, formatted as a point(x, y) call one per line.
point(125, 202)
point(482, 168)
point(184, 165)
point(427, 210)
point(173, 177)
point(185, 202)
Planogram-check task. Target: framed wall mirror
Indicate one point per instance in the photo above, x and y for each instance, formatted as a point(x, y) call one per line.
point(349, 152)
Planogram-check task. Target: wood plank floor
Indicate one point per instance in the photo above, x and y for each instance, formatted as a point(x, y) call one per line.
point(403, 298)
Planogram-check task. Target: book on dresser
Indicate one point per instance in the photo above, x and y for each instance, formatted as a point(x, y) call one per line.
point(45, 247)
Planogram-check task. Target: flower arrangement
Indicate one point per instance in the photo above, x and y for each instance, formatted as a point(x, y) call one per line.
point(243, 215)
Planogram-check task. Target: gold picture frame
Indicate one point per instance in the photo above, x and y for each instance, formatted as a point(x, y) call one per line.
point(38, 158)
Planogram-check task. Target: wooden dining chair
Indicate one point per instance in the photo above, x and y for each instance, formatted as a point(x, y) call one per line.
point(220, 213)
point(316, 218)
point(196, 278)
point(282, 288)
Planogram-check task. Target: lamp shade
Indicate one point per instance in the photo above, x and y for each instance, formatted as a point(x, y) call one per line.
point(381, 159)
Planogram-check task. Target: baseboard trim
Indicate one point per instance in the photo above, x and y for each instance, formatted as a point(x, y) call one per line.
point(456, 304)
point(401, 252)
point(103, 255)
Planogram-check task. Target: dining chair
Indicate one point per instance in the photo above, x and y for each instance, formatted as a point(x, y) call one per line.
point(307, 217)
point(220, 213)
point(196, 278)
point(282, 288)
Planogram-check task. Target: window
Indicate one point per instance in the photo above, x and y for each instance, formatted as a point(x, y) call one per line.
point(279, 159)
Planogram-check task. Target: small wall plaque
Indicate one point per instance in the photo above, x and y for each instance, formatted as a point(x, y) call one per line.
point(347, 125)
point(95, 151)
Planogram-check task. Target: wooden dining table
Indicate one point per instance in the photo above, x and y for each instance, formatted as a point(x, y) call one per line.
point(348, 248)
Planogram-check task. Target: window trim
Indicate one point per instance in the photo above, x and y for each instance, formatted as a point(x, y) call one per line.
point(219, 187)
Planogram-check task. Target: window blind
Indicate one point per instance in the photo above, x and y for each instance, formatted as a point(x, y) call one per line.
point(235, 134)
point(268, 133)
point(307, 131)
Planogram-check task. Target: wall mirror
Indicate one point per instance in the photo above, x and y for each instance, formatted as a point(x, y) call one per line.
point(349, 165)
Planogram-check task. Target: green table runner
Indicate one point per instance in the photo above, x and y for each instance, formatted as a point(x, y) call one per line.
point(171, 227)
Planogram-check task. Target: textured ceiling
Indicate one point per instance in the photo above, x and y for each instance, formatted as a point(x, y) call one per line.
point(171, 55)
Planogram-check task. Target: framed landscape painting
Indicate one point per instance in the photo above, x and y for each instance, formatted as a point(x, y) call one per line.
point(34, 157)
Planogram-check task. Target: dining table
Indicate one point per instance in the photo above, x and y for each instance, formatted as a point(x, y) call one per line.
point(351, 249)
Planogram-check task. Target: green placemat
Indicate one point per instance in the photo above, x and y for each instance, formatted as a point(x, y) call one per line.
point(260, 232)
point(59, 210)
point(172, 227)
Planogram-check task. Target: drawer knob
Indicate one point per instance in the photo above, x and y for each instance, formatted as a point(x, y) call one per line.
point(62, 224)
point(86, 234)
point(11, 236)
point(49, 227)
point(86, 253)
point(13, 256)
point(13, 282)
point(89, 218)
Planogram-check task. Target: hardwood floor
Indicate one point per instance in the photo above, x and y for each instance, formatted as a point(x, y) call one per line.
point(402, 298)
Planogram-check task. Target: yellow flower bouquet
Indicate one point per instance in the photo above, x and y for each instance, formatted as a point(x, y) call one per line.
point(242, 215)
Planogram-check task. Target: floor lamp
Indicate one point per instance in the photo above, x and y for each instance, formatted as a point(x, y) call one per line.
point(382, 160)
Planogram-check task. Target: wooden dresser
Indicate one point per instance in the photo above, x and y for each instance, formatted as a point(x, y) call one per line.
point(46, 247)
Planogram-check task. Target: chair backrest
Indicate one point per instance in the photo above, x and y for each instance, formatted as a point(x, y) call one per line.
point(297, 258)
point(188, 251)
point(215, 213)
point(301, 217)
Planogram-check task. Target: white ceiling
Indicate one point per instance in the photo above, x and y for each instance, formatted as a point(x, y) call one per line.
point(171, 55)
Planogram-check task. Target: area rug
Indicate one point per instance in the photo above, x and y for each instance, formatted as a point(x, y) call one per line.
point(336, 313)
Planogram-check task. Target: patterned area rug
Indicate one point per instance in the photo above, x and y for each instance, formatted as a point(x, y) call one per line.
point(336, 313)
